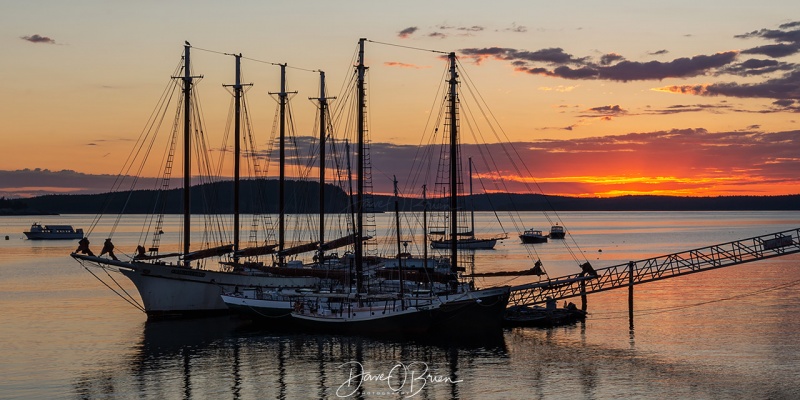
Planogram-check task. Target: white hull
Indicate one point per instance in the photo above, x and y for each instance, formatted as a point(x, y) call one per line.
point(248, 304)
point(172, 290)
point(52, 236)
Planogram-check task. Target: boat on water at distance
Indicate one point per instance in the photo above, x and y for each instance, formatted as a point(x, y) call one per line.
point(53, 232)
point(557, 232)
point(466, 240)
point(533, 236)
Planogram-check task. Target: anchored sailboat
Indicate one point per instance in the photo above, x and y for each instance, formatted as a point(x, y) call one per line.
point(177, 282)
point(466, 240)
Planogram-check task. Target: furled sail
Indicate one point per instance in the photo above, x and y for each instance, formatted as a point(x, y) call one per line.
point(206, 253)
point(256, 251)
point(302, 248)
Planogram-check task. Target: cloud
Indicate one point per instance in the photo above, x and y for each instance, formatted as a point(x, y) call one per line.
point(406, 33)
point(676, 161)
point(610, 58)
point(517, 28)
point(403, 65)
point(38, 39)
point(34, 182)
point(787, 42)
point(786, 87)
point(606, 111)
point(611, 66)
point(552, 55)
point(687, 161)
point(755, 66)
point(774, 50)
point(684, 108)
point(658, 52)
point(437, 35)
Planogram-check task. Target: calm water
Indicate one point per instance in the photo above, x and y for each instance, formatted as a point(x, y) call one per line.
point(729, 333)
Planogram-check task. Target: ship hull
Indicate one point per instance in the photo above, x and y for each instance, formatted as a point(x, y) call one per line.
point(472, 312)
point(173, 291)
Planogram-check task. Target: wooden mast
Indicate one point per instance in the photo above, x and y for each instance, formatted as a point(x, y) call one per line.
point(399, 239)
point(453, 164)
point(425, 226)
point(237, 94)
point(471, 203)
point(282, 167)
point(187, 149)
point(323, 110)
point(361, 98)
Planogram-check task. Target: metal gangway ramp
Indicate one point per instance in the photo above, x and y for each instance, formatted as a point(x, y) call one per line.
point(657, 268)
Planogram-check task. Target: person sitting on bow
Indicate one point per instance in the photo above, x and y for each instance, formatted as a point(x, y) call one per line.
point(108, 247)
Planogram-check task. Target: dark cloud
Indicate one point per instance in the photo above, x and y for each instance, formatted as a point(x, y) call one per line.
point(786, 87)
point(571, 67)
point(658, 52)
point(787, 41)
point(696, 155)
point(38, 39)
point(684, 108)
point(774, 50)
point(553, 55)
point(406, 33)
point(34, 182)
point(437, 35)
point(789, 25)
point(755, 66)
point(632, 71)
point(605, 112)
point(780, 36)
point(610, 58)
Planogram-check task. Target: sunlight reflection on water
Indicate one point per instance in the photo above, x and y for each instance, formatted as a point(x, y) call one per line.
point(728, 333)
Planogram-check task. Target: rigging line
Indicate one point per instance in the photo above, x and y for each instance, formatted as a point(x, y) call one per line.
point(409, 47)
point(210, 51)
point(254, 59)
point(478, 96)
point(112, 289)
point(279, 64)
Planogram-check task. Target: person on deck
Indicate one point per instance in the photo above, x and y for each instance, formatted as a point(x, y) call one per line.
point(108, 247)
point(83, 247)
point(140, 252)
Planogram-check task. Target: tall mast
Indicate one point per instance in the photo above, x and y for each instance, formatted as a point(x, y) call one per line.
point(453, 81)
point(359, 245)
point(399, 238)
point(323, 110)
point(187, 149)
point(237, 151)
point(471, 203)
point(425, 226)
point(282, 167)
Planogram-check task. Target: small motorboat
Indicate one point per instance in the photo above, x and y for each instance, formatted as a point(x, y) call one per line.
point(557, 232)
point(533, 236)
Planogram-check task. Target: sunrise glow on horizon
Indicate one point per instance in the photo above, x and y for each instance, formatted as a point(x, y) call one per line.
point(678, 99)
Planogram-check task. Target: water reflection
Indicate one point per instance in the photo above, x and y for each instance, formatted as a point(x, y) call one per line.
point(223, 358)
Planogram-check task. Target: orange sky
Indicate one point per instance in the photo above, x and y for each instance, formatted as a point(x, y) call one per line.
point(685, 98)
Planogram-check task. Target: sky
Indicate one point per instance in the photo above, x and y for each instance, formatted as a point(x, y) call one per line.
point(599, 99)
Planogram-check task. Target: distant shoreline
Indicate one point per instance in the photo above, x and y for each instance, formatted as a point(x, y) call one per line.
point(305, 200)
